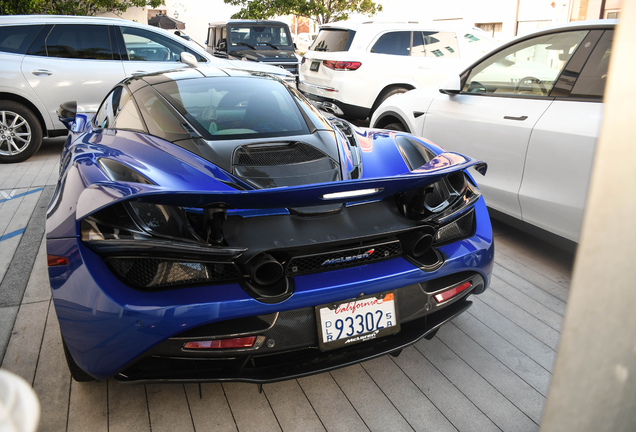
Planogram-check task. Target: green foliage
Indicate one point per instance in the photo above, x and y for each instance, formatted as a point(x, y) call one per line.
point(321, 11)
point(71, 7)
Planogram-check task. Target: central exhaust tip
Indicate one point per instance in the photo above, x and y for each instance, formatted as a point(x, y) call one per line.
point(422, 245)
point(265, 270)
point(417, 244)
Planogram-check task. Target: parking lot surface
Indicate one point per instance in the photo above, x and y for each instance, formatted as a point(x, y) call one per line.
point(488, 370)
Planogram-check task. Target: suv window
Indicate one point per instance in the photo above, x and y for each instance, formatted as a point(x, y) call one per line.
point(143, 45)
point(333, 40)
point(478, 45)
point(529, 67)
point(81, 41)
point(17, 39)
point(394, 43)
point(441, 44)
point(591, 81)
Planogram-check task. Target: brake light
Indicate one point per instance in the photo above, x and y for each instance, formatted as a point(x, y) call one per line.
point(54, 260)
point(242, 342)
point(341, 65)
point(446, 295)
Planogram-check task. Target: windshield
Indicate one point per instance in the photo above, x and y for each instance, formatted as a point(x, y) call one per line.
point(237, 107)
point(259, 36)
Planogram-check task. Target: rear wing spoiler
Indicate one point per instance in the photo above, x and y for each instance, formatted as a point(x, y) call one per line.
point(102, 194)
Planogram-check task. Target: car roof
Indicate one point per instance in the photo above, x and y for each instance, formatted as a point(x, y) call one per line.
point(61, 19)
point(248, 21)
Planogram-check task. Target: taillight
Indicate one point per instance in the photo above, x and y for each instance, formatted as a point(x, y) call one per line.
point(242, 342)
point(54, 260)
point(447, 295)
point(341, 65)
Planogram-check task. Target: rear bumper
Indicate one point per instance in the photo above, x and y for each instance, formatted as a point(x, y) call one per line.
point(112, 329)
point(346, 110)
point(167, 362)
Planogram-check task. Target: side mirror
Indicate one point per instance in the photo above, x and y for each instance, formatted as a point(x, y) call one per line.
point(189, 59)
point(222, 46)
point(451, 85)
point(295, 46)
point(66, 112)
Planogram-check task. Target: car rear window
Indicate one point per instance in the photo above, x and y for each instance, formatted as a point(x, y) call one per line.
point(236, 107)
point(333, 40)
point(17, 39)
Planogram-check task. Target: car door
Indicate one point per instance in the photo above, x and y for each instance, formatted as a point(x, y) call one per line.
point(502, 99)
point(561, 149)
point(69, 62)
point(146, 51)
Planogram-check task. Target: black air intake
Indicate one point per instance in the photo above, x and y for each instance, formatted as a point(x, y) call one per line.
point(277, 154)
point(283, 164)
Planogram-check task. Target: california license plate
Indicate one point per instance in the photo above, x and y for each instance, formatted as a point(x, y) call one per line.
point(314, 66)
point(353, 321)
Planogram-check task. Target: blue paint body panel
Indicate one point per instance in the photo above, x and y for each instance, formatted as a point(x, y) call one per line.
point(108, 325)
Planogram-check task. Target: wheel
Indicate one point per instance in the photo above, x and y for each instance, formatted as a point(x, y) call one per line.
point(77, 373)
point(396, 126)
point(528, 83)
point(387, 93)
point(20, 132)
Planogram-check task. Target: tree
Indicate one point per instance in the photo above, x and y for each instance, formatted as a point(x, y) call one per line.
point(321, 11)
point(71, 7)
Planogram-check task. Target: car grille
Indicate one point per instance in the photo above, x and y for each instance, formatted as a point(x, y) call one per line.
point(343, 258)
point(155, 273)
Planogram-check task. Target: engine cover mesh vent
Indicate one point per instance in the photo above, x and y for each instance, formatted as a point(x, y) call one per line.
point(277, 154)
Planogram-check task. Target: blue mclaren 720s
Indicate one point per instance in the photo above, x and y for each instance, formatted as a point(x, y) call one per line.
point(212, 225)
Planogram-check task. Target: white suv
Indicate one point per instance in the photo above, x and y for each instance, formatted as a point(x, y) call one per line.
point(47, 60)
point(351, 68)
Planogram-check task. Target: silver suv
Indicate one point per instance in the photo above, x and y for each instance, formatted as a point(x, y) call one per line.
point(46, 60)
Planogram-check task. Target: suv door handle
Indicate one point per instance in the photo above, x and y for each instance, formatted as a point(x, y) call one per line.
point(40, 72)
point(522, 118)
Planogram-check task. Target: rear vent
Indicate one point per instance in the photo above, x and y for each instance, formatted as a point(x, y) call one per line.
point(151, 274)
point(462, 227)
point(116, 216)
point(277, 154)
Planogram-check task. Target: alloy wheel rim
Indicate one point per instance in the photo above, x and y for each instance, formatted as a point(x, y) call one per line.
point(15, 133)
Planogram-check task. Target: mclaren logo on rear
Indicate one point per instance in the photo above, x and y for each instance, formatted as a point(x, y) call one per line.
point(367, 254)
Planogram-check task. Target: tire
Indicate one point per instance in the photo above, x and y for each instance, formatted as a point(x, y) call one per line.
point(386, 93)
point(20, 132)
point(396, 126)
point(77, 373)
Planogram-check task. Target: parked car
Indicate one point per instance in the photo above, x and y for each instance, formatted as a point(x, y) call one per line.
point(532, 109)
point(268, 42)
point(46, 60)
point(304, 41)
point(352, 68)
point(211, 225)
